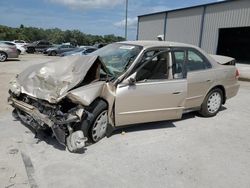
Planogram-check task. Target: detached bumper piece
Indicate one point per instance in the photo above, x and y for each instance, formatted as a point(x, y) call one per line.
point(61, 127)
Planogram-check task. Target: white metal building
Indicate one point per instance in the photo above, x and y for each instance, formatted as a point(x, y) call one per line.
point(221, 27)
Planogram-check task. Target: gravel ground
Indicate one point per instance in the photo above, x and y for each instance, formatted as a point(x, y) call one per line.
point(193, 152)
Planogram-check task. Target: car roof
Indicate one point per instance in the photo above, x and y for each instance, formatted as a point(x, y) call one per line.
point(152, 43)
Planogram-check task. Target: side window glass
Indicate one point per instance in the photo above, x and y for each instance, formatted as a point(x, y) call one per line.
point(155, 67)
point(89, 50)
point(178, 64)
point(196, 62)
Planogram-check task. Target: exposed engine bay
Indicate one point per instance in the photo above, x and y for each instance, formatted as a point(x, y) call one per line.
point(63, 119)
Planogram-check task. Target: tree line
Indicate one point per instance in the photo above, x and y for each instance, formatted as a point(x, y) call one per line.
point(55, 35)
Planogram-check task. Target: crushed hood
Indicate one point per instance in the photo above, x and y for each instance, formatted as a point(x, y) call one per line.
point(52, 80)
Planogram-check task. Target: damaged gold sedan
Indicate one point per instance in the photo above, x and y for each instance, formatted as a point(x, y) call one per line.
point(84, 98)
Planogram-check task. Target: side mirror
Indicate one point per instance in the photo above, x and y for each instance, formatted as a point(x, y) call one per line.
point(131, 81)
point(128, 82)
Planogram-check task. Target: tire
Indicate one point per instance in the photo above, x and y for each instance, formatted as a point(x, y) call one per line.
point(212, 103)
point(95, 125)
point(31, 50)
point(53, 53)
point(19, 51)
point(3, 56)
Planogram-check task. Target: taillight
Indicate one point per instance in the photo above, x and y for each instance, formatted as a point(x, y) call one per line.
point(237, 74)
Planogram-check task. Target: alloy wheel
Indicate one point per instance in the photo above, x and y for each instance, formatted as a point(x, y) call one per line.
point(3, 57)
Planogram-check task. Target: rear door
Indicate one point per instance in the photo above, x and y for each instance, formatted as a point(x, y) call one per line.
point(200, 77)
point(152, 96)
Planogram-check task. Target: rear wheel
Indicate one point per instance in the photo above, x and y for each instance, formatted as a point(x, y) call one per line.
point(212, 103)
point(3, 56)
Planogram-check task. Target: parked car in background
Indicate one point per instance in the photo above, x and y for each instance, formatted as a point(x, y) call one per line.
point(38, 46)
point(7, 50)
point(83, 98)
point(21, 46)
point(100, 45)
point(23, 42)
point(80, 51)
point(57, 50)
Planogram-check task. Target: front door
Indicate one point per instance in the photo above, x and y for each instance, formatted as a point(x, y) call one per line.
point(152, 96)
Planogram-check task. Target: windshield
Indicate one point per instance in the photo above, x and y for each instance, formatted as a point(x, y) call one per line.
point(118, 57)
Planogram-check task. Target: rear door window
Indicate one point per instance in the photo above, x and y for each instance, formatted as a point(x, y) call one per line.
point(196, 61)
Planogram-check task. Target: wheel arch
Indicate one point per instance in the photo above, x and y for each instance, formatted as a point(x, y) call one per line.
point(221, 87)
point(86, 122)
point(98, 99)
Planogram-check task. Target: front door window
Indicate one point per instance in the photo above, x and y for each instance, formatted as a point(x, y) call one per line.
point(155, 67)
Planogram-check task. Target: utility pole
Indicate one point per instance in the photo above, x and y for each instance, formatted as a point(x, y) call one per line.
point(126, 21)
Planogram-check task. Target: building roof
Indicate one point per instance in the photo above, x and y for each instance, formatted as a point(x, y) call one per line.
point(153, 43)
point(185, 8)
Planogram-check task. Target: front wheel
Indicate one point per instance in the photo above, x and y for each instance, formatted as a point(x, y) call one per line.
point(31, 50)
point(95, 126)
point(53, 53)
point(212, 103)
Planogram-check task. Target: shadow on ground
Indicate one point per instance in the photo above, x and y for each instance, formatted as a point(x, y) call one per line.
point(47, 135)
point(42, 135)
point(10, 59)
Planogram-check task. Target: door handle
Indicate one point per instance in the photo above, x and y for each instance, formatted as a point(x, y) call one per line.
point(208, 80)
point(176, 93)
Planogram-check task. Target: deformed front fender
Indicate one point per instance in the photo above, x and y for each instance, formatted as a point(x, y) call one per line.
point(85, 95)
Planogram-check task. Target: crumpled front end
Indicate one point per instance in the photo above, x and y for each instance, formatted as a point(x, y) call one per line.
point(55, 96)
point(52, 80)
point(63, 119)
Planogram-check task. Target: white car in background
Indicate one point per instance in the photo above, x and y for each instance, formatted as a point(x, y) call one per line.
point(21, 46)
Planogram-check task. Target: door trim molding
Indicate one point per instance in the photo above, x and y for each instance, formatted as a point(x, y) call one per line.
point(155, 110)
point(195, 97)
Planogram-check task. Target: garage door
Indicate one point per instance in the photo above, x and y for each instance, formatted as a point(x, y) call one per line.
point(235, 42)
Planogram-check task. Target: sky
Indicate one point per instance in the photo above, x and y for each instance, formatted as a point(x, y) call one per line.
point(99, 17)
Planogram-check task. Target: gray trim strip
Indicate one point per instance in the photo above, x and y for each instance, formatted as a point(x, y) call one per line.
point(202, 25)
point(195, 97)
point(137, 31)
point(165, 25)
point(155, 110)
